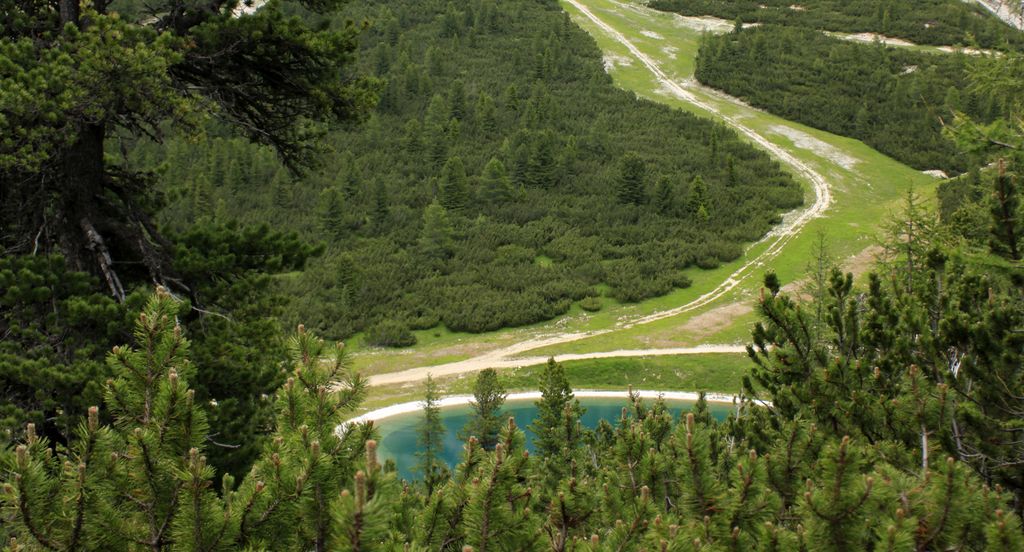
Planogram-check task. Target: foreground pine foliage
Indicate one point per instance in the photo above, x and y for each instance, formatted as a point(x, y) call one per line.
point(647, 483)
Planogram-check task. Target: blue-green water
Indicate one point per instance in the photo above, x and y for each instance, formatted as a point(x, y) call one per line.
point(399, 433)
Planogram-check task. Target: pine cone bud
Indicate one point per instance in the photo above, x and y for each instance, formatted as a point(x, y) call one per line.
point(30, 433)
point(594, 539)
point(645, 493)
point(371, 455)
point(21, 455)
point(499, 452)
point(94, 418)
point(172, 376)
point(314, 448)
point(689, 422)
point(360, 490)
point(301, 329)
point(467, 548)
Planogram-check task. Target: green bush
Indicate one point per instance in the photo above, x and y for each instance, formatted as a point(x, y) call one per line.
point(390, 333)
point(591, 304)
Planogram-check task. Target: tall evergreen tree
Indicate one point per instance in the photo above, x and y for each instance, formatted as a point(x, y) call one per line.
point(331, 213)
point(495, 185)
point(431, 463)
point(556, 425)
point(630, 185)
point(487, 421)
point(1006, 214)
point(436, 237)
point(454, 186)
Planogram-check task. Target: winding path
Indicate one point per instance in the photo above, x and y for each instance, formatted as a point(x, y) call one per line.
point(508, 357)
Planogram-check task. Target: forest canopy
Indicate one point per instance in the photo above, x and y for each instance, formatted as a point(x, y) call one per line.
point(896, 100)
point(482, 193)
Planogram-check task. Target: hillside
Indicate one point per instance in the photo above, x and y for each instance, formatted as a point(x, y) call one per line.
point(896, 100)
point(542, 200)
point(937, 22)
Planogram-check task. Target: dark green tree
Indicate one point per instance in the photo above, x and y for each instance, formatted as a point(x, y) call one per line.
point(436, 237)
point(556, 427)
point(431, 440)
point(80, 74)
point(454, 186)
point(630, 185)
point(495, 185)
point(487, 420)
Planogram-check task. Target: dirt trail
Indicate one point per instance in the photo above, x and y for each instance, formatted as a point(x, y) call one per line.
point(498, 359)
point(507, 357)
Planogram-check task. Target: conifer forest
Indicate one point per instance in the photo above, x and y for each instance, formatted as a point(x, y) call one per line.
point(511, 275)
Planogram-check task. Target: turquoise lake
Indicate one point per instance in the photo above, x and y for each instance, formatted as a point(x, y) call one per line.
point(399, 433)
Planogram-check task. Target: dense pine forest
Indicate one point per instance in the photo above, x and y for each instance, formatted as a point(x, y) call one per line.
point(482, 193)
point(178, 179)
point(896, 100)
point(937, 22)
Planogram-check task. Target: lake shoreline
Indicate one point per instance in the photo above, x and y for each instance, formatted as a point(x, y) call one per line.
point(461, 400)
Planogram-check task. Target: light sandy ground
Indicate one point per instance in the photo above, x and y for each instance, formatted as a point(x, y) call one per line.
point(805, 141)
point(652, 34)
point(871, 38)
point(611, 61)
point(458, 400)
point(936, 173)
point(1005, 10)
point(506, 356)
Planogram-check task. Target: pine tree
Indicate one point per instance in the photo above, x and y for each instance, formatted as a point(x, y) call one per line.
point(431, 440)
point(664, 196)
point(697, 197)
point(540, 164)
point(487, 420)
point(457, 100)
point(436, 237)
point(331, 213)
point(1006, 214)
point(495, 185)
point(555, 426)
point(486, 116)
point(630, 186)
point(381, 207)
point(454, 186)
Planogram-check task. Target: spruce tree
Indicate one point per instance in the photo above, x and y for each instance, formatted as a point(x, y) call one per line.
point(487, 421)
point(697, 197)
point(454, 186)
point(436, 237)
point(431, 440)
point(331, 213)
point(1006, 214)
point(495, 185)
point(664, 196)
point(630, 185)
point(555, 426)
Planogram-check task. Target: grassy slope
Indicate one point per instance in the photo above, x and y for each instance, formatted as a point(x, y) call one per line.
point(863, 194)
